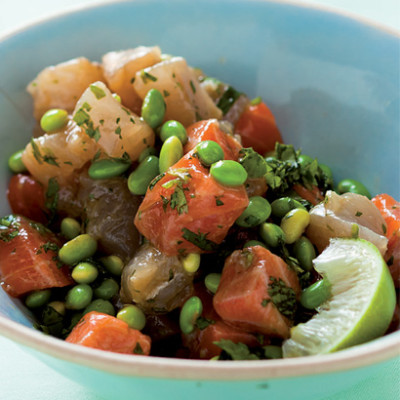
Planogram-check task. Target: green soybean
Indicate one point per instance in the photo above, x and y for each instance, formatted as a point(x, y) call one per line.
point(113, 264)
point(81, 247)
point(79, 297)
point(352, 186)
point(15, 162)
point(316, 294)
point(58, 306)
point(107, 289)
point(304, 159)
point(70, 228)
point(153, 108)
point(271, 234)
point(54, 119)
point(108, 168)
point(170, 153)
point(272, 352)
point(84, 272)
point(294, 224)
point(148, 151)
point(100, 305)
point(252, 243)
point(228, 173)
point(173, 128)
point(257, 212)
point(304, 252)
point(191, 262)
point(190, 311)
point(280, 207)
point(38, 298)
point(133, 316)
point(140, 178)
point(212, 281)
point(209, 152)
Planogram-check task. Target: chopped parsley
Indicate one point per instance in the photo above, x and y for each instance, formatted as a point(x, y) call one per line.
point(9, 228)
point(202, 323)
point(199, 240)
point(358, 214)
point(82, 118)
point(227, 100)
point(218, 201)
point(283, 297)
point(192, 87)
point(98, 92)
point(41, 158)
point(178, 199)
point(147, 77)
point(138, 349)
point(253, 163)
point(155, 180)
point(48, 246)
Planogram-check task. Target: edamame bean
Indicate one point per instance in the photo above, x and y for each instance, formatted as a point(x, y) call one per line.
point(209, 152)
point(294, 224)
point(173, 128)
point(79, 297)
point(107, 289)
point(327, 172)
point(280, 207)
point(113, 264)
point(272, 352)
point(108, 168)
point(148, 151)
point(316, 294)
point(54, 119)
point(252, 243)
point(170, 153)
point(141, 177)
point(352, 186)
point(133, 316)
point(70, 228)
point(153, 108)
point(81, 247)
point(100, 305)
point(191, 263)
point(212, 281)
point(257, 212)
point(271, 234)
point(304, 252)
point(304, 159)
point(58, 306)
point(228, 173)
point(84, 272)
point(38, 298)
point(190, 311)
point(15, 162)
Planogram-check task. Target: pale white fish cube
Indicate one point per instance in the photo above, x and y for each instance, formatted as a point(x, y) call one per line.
point(186, 101)
point(60, 86)
point(120, 69)
point(116, 129)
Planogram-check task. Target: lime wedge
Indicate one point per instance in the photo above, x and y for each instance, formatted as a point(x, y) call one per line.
point(361, 305)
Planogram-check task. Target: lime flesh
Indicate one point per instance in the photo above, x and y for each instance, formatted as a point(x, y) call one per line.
point(361, 305)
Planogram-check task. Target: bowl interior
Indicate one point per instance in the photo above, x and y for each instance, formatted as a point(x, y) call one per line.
point(332, 82)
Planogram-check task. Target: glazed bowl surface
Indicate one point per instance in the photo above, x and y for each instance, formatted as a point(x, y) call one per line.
point(332, 83)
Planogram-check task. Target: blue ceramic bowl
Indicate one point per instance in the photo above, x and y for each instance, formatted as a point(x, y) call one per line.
point(333, 84)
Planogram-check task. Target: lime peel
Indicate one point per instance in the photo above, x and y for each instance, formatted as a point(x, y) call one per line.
point(361, 305)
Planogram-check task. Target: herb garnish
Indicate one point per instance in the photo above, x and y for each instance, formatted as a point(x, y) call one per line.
point(9, 228)
point(227, 100)
point(282, 296)
point(98, 92)
point(199, 240)
point(82, 118)
point(147, 77)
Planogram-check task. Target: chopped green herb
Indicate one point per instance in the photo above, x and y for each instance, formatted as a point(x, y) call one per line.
point(203, 323)
point(166, 93)
point(155, 180)
point(252, 162)
point(178, 199)
point(138, 349)
point(98, 92)
point(9, 228)
point(283, 297)
point(218, 201)
point(228, 99)
point(358, 214)
point(199, 239)
point(384, 229)
point(147, 77)
point(118, 132)
point(236, 351)
point(192, 87)
point(355, 230)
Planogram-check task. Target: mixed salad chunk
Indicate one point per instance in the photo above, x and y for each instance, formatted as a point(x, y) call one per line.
point(157, 211)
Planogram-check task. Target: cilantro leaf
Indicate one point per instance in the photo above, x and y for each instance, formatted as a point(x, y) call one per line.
point(199, 239)
point(283, 297)
point(235, 351)
point(252, 162)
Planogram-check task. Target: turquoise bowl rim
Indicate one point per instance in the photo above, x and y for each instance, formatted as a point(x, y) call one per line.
point(374, 352)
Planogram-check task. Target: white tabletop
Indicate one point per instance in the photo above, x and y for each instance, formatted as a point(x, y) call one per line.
point(21, 375)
